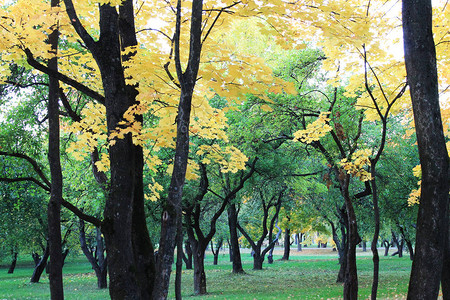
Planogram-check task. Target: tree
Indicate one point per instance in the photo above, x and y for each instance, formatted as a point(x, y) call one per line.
point(268, 222)
point(432, 222)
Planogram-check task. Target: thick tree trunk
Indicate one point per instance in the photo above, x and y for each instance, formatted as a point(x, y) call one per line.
point(199, 272)
point(13, 264)
point(287, 244)
point(234, 240)
point(432, 221)
point(54, 205)
point(40, 267)
point(258, 260)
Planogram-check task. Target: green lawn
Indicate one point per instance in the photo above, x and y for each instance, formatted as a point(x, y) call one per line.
point(309, 275)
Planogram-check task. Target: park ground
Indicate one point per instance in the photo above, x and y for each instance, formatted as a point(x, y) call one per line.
point(309, 274)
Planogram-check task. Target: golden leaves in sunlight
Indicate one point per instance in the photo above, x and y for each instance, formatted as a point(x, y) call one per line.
point(315, 130)
point(356, 165)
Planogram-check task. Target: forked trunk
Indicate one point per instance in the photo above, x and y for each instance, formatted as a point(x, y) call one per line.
point(40, 267)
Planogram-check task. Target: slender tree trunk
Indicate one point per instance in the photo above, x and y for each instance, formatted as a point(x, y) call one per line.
point(188, 260)
point(234, 239)
point(172, 210)
point(386, 245)
point(40, 267)
point(216, 251)
point(432, 221)
point(54, 205)
point(98, 263)
point(287, 244)
point(376, 233)
point(351, 278)
point(179, 263)
point(13, 264)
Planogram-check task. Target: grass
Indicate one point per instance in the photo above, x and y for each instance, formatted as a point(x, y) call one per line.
point(310, 274)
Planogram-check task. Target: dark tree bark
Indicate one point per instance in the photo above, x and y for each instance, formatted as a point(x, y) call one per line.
point(198, 239)
point(130, 253)
point(407, 241)
point(397, 241)
point(40, 267)
point(188, 257)
point(36, 258)
point(179, 262)
point(172, 209)
point(287, 243)
point(13, 263)
point(432, 221)
point(445, 280)
point(386, 245)
point(54, 205)
point(235, 253)
point(373, 163)
point(216, 251)
point(351, 276)
point(97, 259)
point(258, 253)
point(299, 238)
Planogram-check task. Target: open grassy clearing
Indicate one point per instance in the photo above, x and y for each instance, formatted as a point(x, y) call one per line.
point(310, 274)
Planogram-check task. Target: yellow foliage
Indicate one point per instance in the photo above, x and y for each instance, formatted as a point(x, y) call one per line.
point(315, 130)
point(229, 158)
point(355, 166)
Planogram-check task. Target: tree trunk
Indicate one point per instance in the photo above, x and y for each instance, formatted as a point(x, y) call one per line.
point(287, 244)
point(179, 262)
point(270, 256)
point(188, 258)
point(432, 221)
point(40, 267)
point(298, 241)
point(445, 280)
point(386, 245)
point(351, 278)
point(258, 260)
point(216, 251)
point(54, 205)
point(376, 233)
point(98, 262)
point(234, 239)
point(199, 271)
point(13, 264)
point(172, 210)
